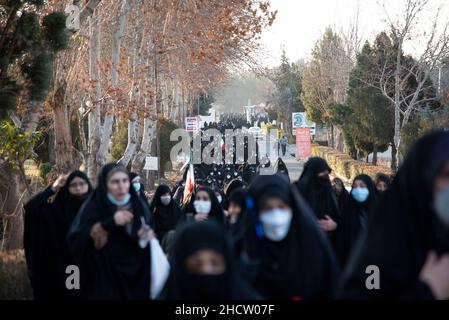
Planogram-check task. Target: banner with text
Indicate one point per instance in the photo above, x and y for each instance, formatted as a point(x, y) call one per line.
point(303, 143)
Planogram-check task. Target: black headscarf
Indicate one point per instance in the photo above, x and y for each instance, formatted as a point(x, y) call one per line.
point(381, 177)
point(141, 193)
point(216, 212)
point(233, 185)
point(343, 197)
point(237, 229)
point(403, 228)
point(354, 219)
point(121, 269)
point(224, 203)
point(165, 217)
point(318, 192)
point(301, 266)
point(45, 231)
point(282, 168)
point(183, 285)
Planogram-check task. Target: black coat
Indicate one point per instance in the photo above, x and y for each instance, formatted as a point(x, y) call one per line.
point(302, 266)
point(182, 285)
point(121, 269)
point(354, 217)
point(45, 232)
point(403, 229)
point(165, 217)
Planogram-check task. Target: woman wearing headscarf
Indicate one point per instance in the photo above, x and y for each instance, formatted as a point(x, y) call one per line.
point(221, 198)
point(165, 210)
point(109, 239)
point(46, 227)
point(290, 257)
point(282, 168)
point(342, 195)
point(354, 218)
point(234, 185)
point(202, 266)
point(235, 219)
point(138, 186)
point(315, 186)
point(203, 205)
point(382, 182)
point(178, 192)
point(407, 238)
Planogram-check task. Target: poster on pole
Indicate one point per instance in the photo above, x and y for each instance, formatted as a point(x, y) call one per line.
point(192, 124)
point(151, 164)
point(303, 144)
point(300, 120)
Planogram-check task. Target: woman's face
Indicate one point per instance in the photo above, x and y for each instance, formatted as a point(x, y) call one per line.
point(206, 262)
point(359, 184)
point(324, 173)
point(442, 179)
point(274, 203)
point(167, 194)
point(78, 187)
point(337, 185)
point(202, 195)
point(136, 180)
point(118, 185)
point(381, 186)
point(234, 209)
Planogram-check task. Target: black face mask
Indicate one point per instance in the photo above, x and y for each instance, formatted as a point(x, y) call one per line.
point(324, 181)
point(78, 199)
point(206, 287)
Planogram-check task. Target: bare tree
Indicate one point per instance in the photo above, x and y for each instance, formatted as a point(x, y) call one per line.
point(392, 79)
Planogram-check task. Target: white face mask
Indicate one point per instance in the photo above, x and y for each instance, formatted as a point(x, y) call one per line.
point(203, 207)
point(165, 200)
point(276, 223)
point(441, 205)
point(220, 199)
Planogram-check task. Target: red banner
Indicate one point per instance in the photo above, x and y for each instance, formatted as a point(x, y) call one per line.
point(303, 143)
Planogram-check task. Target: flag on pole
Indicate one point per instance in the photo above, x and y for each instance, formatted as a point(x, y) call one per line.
point(190, 181)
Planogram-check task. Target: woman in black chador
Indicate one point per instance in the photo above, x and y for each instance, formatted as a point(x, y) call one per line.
point(203, 205)
point(286, 253)
point(407, 237)
point(165, 210)
point(202, 266)
point(109, 240)
point(315, 186)
point(46, 227)
point(354, 217)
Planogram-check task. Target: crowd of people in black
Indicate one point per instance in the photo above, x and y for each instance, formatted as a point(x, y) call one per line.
point(261, 238)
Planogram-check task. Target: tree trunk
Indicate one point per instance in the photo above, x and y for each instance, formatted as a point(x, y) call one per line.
point(12, 214)
point(394, 163)
point(103, 152)
point(135, 99)
point(32, 116)
point(94, 118)
point(63, 142)
point(397, 102)
point(375, 156)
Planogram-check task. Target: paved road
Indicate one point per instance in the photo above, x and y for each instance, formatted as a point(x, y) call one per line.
point(294, 167)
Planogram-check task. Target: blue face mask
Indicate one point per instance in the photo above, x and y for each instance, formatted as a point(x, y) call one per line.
point(360, 194)
point(136, 186)
point(119, 203)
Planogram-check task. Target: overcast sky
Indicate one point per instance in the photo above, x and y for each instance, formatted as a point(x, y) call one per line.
point(300, 23)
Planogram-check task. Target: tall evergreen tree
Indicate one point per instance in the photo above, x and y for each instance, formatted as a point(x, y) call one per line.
point(27, 46)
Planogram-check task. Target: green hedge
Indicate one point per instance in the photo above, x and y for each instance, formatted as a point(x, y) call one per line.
point(14, 281)
point(346, 167)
